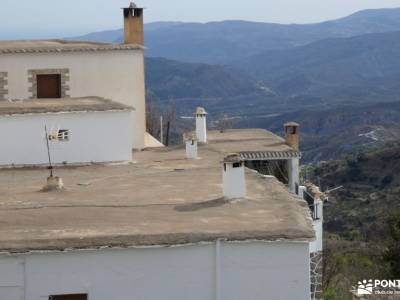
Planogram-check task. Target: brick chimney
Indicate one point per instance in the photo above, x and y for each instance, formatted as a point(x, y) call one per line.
point(292, 135)
point(233, 177)
point(133, 25)
point(201, 124)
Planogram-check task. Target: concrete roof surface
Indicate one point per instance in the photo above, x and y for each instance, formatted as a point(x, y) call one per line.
point(58, 45)
point(246, 140)
point(160, 199)
point(36, 106)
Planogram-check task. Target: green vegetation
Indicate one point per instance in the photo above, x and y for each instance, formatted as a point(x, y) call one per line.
point(392, 252)
point(362, 220)
point(330, 294)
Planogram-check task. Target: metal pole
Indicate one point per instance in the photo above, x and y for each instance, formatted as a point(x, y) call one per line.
point(167, 140)
point(161, 130)
point(218, 270)
point(48, 151)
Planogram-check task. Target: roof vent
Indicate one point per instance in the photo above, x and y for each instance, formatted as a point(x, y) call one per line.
point(233, 177)
point(191, 146)
point(201, 124)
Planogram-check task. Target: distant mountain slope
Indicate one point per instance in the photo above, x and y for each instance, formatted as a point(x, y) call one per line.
point(332, 133)
point(336, 67)
point(370, 191)
point(169, 79)
point(222, 42)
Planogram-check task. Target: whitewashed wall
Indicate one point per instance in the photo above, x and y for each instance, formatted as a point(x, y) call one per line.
point(115, 75)
point(94, 137)
point(233, 181)
point(244, 271)
point(294, 173)
point(317, 245)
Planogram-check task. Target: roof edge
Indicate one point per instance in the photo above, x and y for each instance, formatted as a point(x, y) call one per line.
point(69, 46)
point(150, 241)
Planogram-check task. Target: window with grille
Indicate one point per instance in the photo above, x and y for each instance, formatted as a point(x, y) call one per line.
point(63, 135)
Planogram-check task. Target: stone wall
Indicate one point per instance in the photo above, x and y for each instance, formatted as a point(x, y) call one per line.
point(32, 79)
point(3, 86)
point(316, 275)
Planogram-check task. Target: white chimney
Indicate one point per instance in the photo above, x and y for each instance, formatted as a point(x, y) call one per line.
point(233, 177)
point(191, 146)
point(201, 125)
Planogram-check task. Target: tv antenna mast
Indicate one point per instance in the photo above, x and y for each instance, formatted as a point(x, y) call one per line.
point(54, 183)
point(48, 151)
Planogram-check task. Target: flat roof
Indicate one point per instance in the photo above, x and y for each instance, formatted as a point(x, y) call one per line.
point(58, 45)
point(238, 140)
point(161, 199)
point(252, 144)
point(37, 106)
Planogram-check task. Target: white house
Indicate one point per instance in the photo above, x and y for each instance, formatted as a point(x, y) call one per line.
point(182, 222)
point(60, 69)
point(77, 130)
point(166, 227)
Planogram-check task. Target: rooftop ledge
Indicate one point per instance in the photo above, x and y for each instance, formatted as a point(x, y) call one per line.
point(57, 46)
point(59, 105)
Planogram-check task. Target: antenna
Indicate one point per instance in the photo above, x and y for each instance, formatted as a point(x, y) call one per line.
point(161, 130)
point(48, 151)
point(54, 183)
point(334, 189)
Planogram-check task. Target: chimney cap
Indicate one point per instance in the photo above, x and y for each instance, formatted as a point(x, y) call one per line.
point(291, 124)
point(132, 6)
point(200, 111)
point(189, 136)
point(233, 158)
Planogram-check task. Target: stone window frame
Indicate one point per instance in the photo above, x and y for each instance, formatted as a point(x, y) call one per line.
point(3, 85)
point(32, 79)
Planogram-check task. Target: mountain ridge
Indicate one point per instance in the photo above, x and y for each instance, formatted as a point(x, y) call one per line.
point(214, 42)
point(330, 63)
point(169, 79)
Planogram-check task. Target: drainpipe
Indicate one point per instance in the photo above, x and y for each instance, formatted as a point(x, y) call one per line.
point(218, 269)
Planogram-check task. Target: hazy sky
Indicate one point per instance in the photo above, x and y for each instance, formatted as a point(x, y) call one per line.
point(57, 18)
